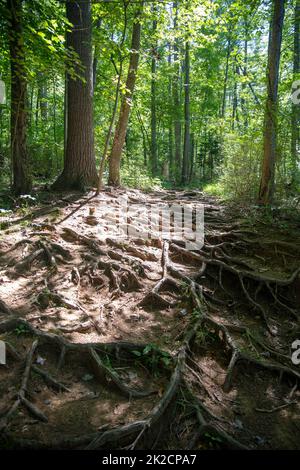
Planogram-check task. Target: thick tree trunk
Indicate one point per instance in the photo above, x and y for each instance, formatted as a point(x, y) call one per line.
point(20, 165)
point(121, 129)
point(266, 189)
point(79, 165)
point(187, 117)
point(295, 122)
point(153, 103)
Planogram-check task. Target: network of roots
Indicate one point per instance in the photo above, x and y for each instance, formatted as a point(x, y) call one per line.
point(140, 342)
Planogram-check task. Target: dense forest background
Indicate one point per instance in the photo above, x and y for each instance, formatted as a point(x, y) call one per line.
point(196, 102)
point(125, 321)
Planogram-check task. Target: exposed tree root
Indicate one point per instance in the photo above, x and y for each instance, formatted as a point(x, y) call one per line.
point(143, 255)
point(21, 396)
point(4, 308)
point(269, 282)
point(94, 245)
point(105, 372)
point(203, 284)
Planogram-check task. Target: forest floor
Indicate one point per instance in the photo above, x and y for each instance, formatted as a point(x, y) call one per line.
point(140, 342)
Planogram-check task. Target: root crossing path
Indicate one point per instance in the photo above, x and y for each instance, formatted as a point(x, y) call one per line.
point(140, 343)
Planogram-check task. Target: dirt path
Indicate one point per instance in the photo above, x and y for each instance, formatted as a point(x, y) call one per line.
point(141, 343)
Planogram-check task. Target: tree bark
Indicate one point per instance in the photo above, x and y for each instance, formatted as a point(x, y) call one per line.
point(153, 101)
point(295, 118)
point(187, 117)
point(170, 132)
point(95, 58)
point(176, 97)
point(79, 163)
point(21, 183)
point(43, 96)
point(226, 78)
point(121, 129)
point(266, 190)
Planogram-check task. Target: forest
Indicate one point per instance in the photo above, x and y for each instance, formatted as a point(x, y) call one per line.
point(149, 224)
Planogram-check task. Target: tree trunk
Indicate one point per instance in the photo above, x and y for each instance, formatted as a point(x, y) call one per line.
point(235, 117)
point(192, 158)
point(176, 95)
point(226, 79)
point(121, 129)
point(79, 164)
point(295, 107)
point(245, 72)
point(266, 189)
point(95, 58)
point(171, 150)
point(153, 101)
point(20, 163)
point(43, 96)
point(187, 118)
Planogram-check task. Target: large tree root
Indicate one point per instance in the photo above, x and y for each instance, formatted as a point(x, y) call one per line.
point(51, 251)
point(123, 265)
point(4, 308)
point(153, 297)
point(270, 283)
point(107, 373)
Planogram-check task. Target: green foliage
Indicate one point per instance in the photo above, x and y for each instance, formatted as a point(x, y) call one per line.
point(135, 177)
point(21, 330)
point(228, 58)
point(153, 358)
point(241, 172)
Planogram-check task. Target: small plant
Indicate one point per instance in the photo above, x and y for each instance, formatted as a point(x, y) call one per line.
point(107, 362)
point(153, 357)
point(212, 439)
point(4, 225)
point(21, 330)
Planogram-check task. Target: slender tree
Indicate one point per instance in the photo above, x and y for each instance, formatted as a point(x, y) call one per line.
point(176, 98)
point(295, 107)
point(116, 101)
point(187, 117)
point(153, 100)
point(21, 183)
point(266, 190)
point(170, 130)
point(121, 129)
point(228, 51)
point(79, 162)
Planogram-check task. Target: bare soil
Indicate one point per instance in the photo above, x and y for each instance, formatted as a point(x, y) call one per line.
point(140, 343)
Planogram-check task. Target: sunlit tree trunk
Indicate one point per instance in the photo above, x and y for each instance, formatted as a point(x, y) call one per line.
point(153, 102)
point(170, 130)
point(79, 163)
point(176, 101)
point(245, 72)
point(121, 129)
point(266, 189)
point(226, 78)
point(295, 107)
point(21, 183)
point(187, 117)
point(235, 116)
